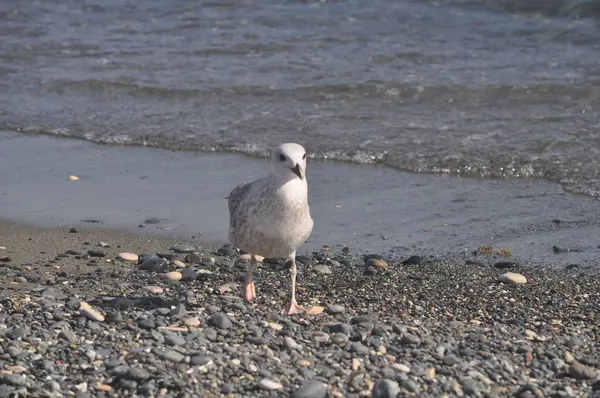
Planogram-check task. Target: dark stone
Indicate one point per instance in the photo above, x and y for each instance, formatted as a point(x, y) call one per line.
point(227, 251)
point(505, 265)
point(73, 230)
point(188, 274)
point(137, 374)
point(473, 262)
point(338, 328)
point(193, 258)
point(372, 256)
point(412, 260)
point(220, 320)
point(155, 264)
point(96, 253)
point(145, 323)
point(200, 360)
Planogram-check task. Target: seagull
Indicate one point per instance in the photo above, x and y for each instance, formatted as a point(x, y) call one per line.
point(270, 216)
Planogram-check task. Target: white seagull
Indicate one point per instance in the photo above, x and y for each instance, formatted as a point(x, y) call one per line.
point(270, 217)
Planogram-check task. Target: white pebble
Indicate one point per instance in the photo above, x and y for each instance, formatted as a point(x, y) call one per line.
point(73, 178)
point(154, 289)
point(92, 314)
point(128, 257)
point(512, 278)
point(401, 367)
point(267, 384)
point(174, 276)
point(179, 264)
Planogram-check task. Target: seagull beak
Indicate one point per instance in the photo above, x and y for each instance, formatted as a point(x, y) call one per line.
point(298, 171)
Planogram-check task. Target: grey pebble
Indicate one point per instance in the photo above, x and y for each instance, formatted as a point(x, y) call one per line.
point(311, 389)
point(169, 355)
point(220, 320)
point(335, 309)
point(173, 339)
point(385, 389)
point(322, 269)
point(580, 371)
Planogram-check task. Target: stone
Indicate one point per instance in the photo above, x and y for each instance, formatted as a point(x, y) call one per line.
point(182, 248)
point(381, 265)
point(335, 309)
point(512, 278)
point(92, 314)
point(401, 367)
point(192, 322)
point(129, 257)
point(412, 260)
point(188, 274)
point(246, 257)
point(104, 387)
point(505, 265)
point(220, 320)
point(179, 264)
point(322, 269)
point(269, 385)
point(96, 253)
point(174, 276)
point(580, 371)
point(385, 389)
point(311, 389)
point(154, 289)
point(16, 333)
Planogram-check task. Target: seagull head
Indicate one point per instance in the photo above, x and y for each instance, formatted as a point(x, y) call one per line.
point(289, 161)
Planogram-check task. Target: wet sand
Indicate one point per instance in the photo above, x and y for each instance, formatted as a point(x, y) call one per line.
point(153, 192)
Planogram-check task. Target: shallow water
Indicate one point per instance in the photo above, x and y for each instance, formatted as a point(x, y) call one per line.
point(477, 88)
point(370, 209)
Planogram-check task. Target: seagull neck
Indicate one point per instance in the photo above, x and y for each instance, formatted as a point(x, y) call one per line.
point(289, 181)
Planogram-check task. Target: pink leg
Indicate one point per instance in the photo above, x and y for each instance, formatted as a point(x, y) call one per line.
point(249, 293)
point(293, 307)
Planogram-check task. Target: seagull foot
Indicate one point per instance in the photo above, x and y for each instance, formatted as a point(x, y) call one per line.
point(249, 292)
point(293, 308)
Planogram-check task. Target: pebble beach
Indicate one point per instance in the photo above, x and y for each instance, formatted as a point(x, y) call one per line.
point(92, 312)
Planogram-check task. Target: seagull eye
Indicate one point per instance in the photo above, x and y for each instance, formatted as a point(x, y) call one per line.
point(282, 157)
point(304, 156)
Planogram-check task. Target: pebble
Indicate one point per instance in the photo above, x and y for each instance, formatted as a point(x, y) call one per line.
point(580, 371)
point(505, 264)
point(381, 265)
point(512, 278)
point(128, 257)
point(246, 257)
point(96, 253)
point(311, 389)
point(320, 337)
point(188, 274)
point(335, 309)
point(179, 264)
point(182, 248)
point(174, 276)
point(322, 269)
point(192, 322)
point(269, 385)
point(92, 314)
point(412, 260)
point(154, 289)
point(73, 178)
point(220, 320)
point(385, 389)
point(104, 387)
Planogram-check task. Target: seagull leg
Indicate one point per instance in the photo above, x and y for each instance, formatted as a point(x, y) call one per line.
point(293, 307)
point(249, 292)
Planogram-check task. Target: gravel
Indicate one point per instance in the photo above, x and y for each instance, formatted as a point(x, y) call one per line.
point(427, 327)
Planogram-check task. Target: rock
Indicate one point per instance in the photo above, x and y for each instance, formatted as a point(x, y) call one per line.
point(409, 338)
point(512, 278)
point(412, 260)
point(269, 385)
point(220, 320)
point(569, 358)
point(96, 253)
point(174, 276)
point(290, 343)
point(193, 258)
point(401, 367)
point(188, 274)
point(73, 178)
point(173, 339)
point(73, 230)
point(320, 337)
point(92, 314)
point(145, 323)
point(247, 257)
point(182, 248)
point(311, 389)
point(154, 289)
point(104, 387)
point(137, 374)
point(169, 355)
point(179, 264)
point(154, 264)
point(385, 389)
point(129, 257)
point(381, 265)
point(505, 265)
point(335, 309)
point(227, 250)
point(200, 360)
point(192, 322)
point(16, 333)
point(322, 269)
point(580, 371)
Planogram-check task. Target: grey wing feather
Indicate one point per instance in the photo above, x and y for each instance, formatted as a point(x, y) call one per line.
point(237, 195)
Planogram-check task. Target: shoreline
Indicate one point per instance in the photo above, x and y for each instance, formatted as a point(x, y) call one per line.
point(444, 326)
point(374, 209)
